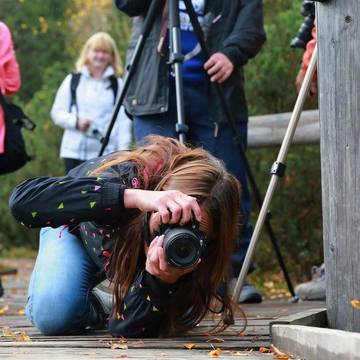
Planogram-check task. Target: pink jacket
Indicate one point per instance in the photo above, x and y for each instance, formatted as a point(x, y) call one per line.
point(310, 46)
point(9, 74)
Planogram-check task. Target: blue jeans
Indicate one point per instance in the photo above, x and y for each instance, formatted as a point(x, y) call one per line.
point(202, 133)
point(62, 279)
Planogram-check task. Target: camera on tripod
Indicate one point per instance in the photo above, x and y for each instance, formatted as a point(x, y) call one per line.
point(304, 34)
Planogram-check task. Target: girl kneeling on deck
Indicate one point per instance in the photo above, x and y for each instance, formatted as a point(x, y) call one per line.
point(110, 206)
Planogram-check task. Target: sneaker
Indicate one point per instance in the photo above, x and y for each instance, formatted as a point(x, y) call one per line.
point(101, 301)
point(314, 289)
point(103, 297)
point(248, 294)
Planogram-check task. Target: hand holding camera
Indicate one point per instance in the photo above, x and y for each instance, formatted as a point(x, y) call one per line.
point(83, 124)
point(173, 206)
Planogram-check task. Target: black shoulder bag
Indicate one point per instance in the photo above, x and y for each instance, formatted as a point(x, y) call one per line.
point(15, 155)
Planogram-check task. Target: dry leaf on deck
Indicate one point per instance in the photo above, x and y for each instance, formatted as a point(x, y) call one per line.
point(265, 350)
point(283, 357)
point(7, 333)
point(23, 337)
point(276, 351)
point(239, 353)
point(119, 346)
point(21, 312)
point(216, 340)
point(189, 346)
point(215, 352)
point(355, 304)
point(4, 309)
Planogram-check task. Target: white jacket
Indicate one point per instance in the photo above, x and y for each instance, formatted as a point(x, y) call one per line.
point(95, 101)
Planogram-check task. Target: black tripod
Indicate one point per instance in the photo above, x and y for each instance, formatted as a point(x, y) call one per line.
point(176, 59)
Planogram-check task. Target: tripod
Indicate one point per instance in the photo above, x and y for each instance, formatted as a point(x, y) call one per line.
point(176, 59)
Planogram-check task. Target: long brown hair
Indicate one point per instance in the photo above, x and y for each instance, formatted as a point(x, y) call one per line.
point(171, 165)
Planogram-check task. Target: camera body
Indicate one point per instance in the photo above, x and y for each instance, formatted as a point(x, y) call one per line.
point(304, 34)
point(93, 132)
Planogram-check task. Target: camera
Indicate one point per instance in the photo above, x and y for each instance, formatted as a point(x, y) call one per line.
point(304, 34)
point(94, 133)
point(183, 245)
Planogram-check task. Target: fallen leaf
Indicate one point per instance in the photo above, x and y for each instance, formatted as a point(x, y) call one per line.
point(215, 352)
point(189, 346)
point(122, 340)
point(355, 304)
point(119, 346)
point(283, 357)
point(239, 353)
point(265, 350)
point(216, 340)
point(121, 356)
point(21, 312)
point(23, 338)
point(4, 309)
point(276, 351)
point(7, 333)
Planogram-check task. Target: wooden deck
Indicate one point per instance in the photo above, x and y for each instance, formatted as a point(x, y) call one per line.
point(20, 340)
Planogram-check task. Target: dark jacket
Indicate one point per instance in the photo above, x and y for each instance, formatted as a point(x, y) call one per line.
point(237, 31)
point(92, 208)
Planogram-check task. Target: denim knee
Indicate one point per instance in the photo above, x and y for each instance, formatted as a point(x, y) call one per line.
point(53, 314)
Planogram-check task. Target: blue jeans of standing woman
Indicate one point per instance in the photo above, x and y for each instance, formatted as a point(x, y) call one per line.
point(219, 141)
point(60, 285)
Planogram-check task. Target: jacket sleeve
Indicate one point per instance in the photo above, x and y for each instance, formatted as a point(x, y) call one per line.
point(55, 201)
point(144, 308)
point(133, 7)
point(248, 34)
point(310, 47)
point(60, 110)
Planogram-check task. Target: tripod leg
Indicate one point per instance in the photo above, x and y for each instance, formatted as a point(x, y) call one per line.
point(176, 59)
point(1, 289)
point(200, 36)
point(277, 171)
point(153, 12)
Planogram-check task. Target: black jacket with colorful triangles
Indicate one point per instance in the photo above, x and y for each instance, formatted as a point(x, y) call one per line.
point(92, 207)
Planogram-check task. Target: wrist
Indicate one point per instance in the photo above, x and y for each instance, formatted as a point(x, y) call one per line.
point(130, 198)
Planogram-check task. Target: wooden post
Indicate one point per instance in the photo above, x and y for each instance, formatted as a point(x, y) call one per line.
point(338, 25)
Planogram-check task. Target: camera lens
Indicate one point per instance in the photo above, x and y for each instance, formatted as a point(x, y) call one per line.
point(182, 247)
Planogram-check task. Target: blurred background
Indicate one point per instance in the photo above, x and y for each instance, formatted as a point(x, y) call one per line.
point(48, 36)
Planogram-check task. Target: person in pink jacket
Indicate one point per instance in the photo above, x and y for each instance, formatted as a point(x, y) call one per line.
point(9, 74)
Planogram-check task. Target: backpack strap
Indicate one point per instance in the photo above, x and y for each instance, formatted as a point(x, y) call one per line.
point(114, 85)
point(74, 83)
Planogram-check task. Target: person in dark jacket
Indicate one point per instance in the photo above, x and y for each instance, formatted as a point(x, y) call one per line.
point(95, 222)
point(234, 34)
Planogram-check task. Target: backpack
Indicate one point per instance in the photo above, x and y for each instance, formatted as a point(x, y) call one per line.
point(15, 155)
point(74, 83)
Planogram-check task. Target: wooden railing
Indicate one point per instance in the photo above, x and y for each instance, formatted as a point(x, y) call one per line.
point(269, 130)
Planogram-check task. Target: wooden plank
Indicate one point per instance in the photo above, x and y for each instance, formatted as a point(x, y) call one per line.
point(74, 354)
point(316, 343)
point(269, 130)
point(94, 344)
point(311, 317)
point(339, 43)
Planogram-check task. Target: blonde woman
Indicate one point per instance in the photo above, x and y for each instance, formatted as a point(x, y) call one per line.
point(84, 103)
